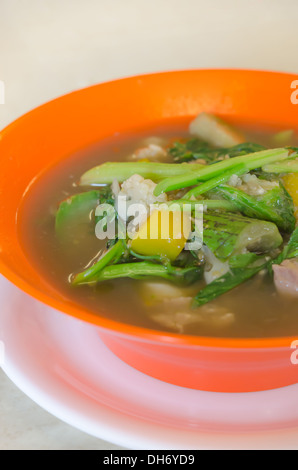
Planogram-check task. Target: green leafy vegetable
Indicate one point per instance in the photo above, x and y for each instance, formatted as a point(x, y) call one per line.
point(147, 270)
point(223, 284)
point(75, 215)
point(227, 234)
point(276, 205)
point(244, 259)
point(290, 249)
point(91, 273)
point(195, 149)
point(279, 200)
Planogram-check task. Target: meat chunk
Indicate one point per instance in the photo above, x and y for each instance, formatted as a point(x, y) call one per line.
point(207, 316)
point(286, 277)
point(152, 152)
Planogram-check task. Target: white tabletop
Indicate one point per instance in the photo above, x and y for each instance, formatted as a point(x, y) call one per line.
point(51, 47)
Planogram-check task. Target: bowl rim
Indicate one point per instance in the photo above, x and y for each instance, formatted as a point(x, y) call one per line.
point(133, 332)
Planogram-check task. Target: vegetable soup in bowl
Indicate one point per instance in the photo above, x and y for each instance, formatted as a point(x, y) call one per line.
point(162, 209)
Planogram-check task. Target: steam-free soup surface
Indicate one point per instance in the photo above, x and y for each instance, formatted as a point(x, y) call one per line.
point(254, 309)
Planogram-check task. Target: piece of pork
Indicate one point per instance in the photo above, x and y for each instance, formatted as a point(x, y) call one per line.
point(215, 317)
point(151, 152)
point(286, 277)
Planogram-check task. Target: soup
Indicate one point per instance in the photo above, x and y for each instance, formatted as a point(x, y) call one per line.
point(210, 249)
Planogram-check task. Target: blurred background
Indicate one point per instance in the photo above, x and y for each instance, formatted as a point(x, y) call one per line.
point(51, 47)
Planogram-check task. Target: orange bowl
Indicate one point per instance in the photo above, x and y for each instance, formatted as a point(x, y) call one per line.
point(61, 127)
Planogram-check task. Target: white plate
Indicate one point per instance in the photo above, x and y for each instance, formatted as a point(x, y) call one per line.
point(62, 365)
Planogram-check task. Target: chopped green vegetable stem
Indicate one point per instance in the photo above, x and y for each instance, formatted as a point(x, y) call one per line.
point(287, 166)
point(108, 172)
point(209, 204)
point(112, 255)
point(252, 161)
point(213, 182)
point(144, 269)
